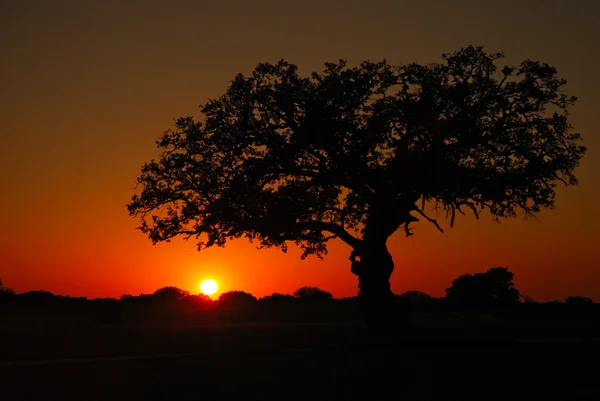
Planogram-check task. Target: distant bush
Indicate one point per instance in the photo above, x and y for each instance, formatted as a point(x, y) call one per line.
point(312, 293)
point(198, 298)
point(492, 288)
point(236, 299)
point(417, 297)
point(527, 299)
point(170, 294)
point(5, 293)
point(578, 301)
point(198, 303)
point(277, 298)
point(38, 296)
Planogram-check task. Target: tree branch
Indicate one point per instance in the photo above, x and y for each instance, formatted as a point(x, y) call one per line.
point(333, 228)
point(429, 219)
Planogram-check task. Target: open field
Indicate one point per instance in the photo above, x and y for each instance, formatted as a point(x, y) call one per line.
point(300, 362)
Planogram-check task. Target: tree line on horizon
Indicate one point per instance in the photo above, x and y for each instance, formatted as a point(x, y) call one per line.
point(494, 287)
point(489, 294)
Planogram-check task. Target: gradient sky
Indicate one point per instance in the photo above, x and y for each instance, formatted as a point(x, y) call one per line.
point(86, 87)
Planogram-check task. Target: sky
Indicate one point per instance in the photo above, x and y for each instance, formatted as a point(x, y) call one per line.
point(87, 87)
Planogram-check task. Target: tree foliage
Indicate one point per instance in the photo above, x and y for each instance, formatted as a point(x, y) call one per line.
point(417, 297)
point(578, 300)
point(492, 288)
point(5, 292)
point(236, 298)
point(170, 293)
point(361, 152)
point(277, 298)
point(312, 293)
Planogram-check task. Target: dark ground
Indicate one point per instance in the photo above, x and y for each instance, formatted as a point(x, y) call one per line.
point(300, 362)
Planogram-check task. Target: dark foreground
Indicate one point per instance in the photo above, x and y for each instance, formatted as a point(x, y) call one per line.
point(299, 362)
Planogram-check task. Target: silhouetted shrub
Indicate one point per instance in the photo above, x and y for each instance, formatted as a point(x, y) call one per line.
point(492, 288)
point(169, 294)
point(198, 302)
point(312, 293)
point(277, 298)
point(527, 299)
point(236, 299)
point(198, 298)
point(578, 301)
point(37, 296)
point(5, 293)
point(417, 297)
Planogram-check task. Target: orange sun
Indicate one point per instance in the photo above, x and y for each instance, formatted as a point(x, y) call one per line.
point(209, 287)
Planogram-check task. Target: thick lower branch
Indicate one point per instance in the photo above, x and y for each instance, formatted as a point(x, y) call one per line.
point(332, 228)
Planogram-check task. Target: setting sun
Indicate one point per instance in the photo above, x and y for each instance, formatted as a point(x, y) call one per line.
point(209, 287)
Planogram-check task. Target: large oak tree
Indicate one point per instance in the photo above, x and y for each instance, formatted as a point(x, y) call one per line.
point(359, 153)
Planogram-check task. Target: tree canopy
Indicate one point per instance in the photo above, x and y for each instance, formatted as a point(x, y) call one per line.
point(312, 293)
point(492, 288)
point(361, 152)
point(578, 300)
point(236, 298)
point(170, 293)
point(5, 292)
point(417, 297)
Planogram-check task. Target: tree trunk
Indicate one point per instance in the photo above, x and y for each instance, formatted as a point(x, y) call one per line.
point(381, 308)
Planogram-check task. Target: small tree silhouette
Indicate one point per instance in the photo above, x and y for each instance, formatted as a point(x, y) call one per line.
point(358, 153)
point(492, 288)
point(169, 293)
point(526, 299)
point(38, 296)
point(5, 293)
point(417, 296)
point(578, 301)
point(312, 293)
point(236, 299)
point(277, 298)
point(198, 298)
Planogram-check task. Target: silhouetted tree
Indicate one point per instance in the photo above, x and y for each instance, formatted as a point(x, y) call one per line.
point(358, 153)
point(492, 288)
point(236, 299)
point(312, 293)
point(5, 293)
point(578, 301)
point(199, 298)
point(37, 295)
point(527, 299)
point(277, 298)
point(169, 294)
point(416, 296)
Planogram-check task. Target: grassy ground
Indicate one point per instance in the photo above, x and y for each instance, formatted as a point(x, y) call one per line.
point(465, 360)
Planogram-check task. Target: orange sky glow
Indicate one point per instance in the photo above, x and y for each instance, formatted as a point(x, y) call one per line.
point(87, 87)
